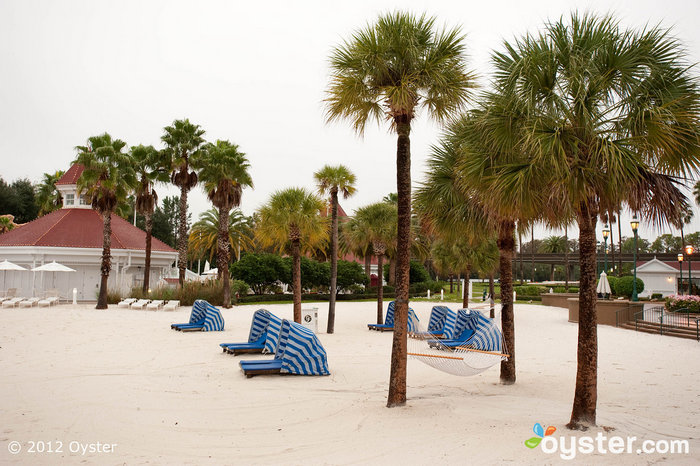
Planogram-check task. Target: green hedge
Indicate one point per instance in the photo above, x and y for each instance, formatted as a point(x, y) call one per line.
point(624, 285)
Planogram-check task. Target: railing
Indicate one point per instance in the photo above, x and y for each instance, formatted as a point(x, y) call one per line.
point(680, 319)
point(624, 315)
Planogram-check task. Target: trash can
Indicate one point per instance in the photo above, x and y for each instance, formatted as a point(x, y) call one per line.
point(309, 319)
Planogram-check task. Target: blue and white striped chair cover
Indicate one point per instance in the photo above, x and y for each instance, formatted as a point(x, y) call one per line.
point(301, 351)
point(438, 314)
point(261, 318)
point(213, 321)
point(199, 311)
point(389, 318)
point(413, 321)
point(487, 335)
point(273, 334)
point(448, 329)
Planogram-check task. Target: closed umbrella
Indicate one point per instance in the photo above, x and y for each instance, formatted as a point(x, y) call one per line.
point(603, 285)
point(7, 265)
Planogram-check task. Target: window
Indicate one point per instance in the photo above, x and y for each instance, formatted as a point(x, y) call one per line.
point(70, 199)
point(83, 200)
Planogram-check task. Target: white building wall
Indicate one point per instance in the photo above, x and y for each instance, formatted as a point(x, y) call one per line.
point(655, 282)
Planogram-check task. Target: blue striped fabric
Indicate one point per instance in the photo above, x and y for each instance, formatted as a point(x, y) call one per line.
point(213, 321)
point(389, 319)
point(448, 330)
point(413, 321)
point(199, 311)
point(301, 351)
point(487, 335)
point(273, 334)
point(260, 320)
point(438, 315)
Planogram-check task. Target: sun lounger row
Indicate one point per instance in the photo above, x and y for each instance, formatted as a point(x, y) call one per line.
point(152, 305)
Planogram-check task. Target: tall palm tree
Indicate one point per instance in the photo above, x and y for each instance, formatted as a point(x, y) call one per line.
point(183, 141)
point(553, 245)
point(47, 196)
point(204, 234)
point(224, 172)
point(333, 180)
point(379, 222)
point(354, 240)
point(388, 71)
point(291, 222)
point(611, 118)
point(106, 180)
point(149, 167)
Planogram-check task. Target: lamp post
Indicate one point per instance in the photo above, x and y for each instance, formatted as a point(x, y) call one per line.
point(680, 267)
point(635, 226)
point(689, 250)
point(606, 233)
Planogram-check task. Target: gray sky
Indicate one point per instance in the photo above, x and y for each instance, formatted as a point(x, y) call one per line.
point(251, 73)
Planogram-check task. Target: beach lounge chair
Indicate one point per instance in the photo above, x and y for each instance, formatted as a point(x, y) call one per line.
point(263, 336)
point(155, 305)
point(388, 325)
point(140, 304)
point(299, 352)
point(203, 318)
point(31, 302)
point(48, 301)
point(171, 305)
point(470, 325)
point(441, 324)
point(126, 302)
point(13, 302)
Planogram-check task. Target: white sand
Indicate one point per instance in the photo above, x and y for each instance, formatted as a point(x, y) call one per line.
point(74, 374)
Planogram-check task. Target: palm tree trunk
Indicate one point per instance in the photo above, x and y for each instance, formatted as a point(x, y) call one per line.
point(506, 246)
point(532, 253)
point(451, 283)
point(397, 377)
point(182, 237)
point(586, 394)
point(147, 265)
point(296, 279)
point(492, 311)
point(566, 258)
point(334, 260)
point(380, 293)
point(520, 240)
point(465, 299)
point(619, 241)
point(223, 254)
point(106, 259)
point(612, 243)
point(683, 252)
point(368, 266)
point(392, 272)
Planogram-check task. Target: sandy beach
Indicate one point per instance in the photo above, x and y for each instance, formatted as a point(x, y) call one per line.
point(75, 376)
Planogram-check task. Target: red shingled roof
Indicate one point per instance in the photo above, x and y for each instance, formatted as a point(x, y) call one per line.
point(72, 175)
point(78, 228)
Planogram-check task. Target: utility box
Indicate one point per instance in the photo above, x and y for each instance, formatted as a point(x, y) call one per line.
point(309, 319)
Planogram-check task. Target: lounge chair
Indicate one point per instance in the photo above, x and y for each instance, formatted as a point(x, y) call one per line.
point(388, 325)
point(171, 305)
point(155, 305)
point(126, 302)
point(263, 336)
point(48, 302)
point(204, 318)
point(256, 346)
point(140, 304)
point(31, 302)
point(14, 302)
point(461, 340)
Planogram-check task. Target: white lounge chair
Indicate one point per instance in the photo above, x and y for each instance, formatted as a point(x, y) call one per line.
point(31, 302)
point(14, 302)
point(140, 304)
point(126, 302)
point(171, 305)
point(48, 301)
point(155, 305)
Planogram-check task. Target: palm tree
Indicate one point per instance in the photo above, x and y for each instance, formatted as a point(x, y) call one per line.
point(149, 167)
point(106, 180)
point(291, 222)
point(379, 222)
point(183, 141)
point(611, 118)
point(553, 245)
point(204, 234)
point(332, 180)
point(224, 172)
point(7, 223)
point(47, 196)
point(685, 219)
point(389, 70)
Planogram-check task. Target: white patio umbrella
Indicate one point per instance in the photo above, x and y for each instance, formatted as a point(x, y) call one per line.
point(52, 267)
point(7, 265)
point(603, 285)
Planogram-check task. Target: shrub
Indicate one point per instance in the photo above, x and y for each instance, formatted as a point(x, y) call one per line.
point(417, 273)
point(613, 284)
point(530, 290)
point(387, 289)
point(676, 303)
point(624, 286)
point(210, 290)
point(656, 296)
point(113, 297)
point(239, 287)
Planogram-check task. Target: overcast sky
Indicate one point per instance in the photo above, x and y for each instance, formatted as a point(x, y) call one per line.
point(250, 72)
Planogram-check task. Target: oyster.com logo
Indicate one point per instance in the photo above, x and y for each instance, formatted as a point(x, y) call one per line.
point(541, 433)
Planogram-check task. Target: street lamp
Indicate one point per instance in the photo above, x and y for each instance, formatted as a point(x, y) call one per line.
point(635, 226)
point(689, 250)
point(680, 267)
point(606, 233)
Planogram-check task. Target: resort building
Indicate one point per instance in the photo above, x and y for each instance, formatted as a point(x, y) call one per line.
point(664, 277)
point(72, 236)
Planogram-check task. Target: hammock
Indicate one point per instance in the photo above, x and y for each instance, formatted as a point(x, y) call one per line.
point(473, 356)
